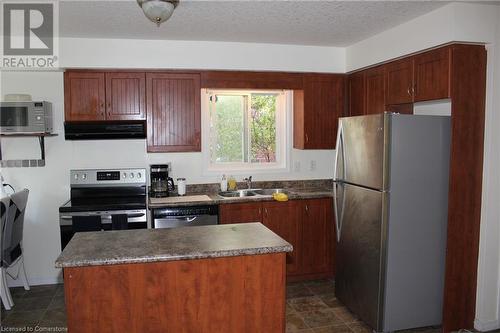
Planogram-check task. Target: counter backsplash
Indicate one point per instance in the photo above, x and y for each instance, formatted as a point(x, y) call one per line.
point(295, 184)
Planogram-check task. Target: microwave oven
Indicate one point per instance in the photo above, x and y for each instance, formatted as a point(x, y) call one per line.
point(26, 117)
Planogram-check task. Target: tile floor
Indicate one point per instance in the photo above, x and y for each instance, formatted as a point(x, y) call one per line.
point(42, 306)
point(311, 308)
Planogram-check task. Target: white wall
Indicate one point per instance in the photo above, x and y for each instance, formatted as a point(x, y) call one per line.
point(488, 293)
point(116, 53)
point(49, 185)
point(463, 22)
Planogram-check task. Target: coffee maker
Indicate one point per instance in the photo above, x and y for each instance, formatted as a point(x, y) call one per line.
point(161, 183)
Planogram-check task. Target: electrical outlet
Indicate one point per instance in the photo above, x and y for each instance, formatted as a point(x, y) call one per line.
point(312, 166)
point(296, 166)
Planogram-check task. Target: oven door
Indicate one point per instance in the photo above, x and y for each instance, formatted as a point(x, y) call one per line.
point(136, 219)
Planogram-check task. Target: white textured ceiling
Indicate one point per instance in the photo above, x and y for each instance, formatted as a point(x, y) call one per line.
point(328, 23)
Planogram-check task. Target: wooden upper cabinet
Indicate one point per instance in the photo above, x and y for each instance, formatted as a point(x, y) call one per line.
point(356, 91)
point(375, 90)
point(125, 96)
point(84, 96)
point(432, 75)
point(246, 212)
point(284, 218)
point(318, 232)
point(173, 112)
point(399, 81)
point(317, 108)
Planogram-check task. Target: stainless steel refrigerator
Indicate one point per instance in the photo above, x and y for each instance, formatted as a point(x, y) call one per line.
point(391, 204)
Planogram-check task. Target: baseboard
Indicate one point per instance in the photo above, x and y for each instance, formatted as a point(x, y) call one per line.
point(486, 325)
point(35, 281)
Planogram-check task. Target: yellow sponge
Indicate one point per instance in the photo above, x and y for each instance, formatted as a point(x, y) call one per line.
point(280, 197)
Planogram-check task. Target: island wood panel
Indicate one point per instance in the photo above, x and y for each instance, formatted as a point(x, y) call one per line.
point(285, 219)
point(84, 96)
point(245, 212)
point(468, 93)
point(232, 294)
point(318, 237)
point(432, 75)
point(125, 96)
point(173, 112)
point(250, 80)
point(356, 92)
point(375, 90)
point(399, 81)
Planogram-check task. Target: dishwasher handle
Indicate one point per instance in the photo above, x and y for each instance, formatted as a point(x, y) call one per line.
point(184, 221)
point(188, 219)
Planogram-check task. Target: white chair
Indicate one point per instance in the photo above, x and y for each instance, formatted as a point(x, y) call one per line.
point(12, 237)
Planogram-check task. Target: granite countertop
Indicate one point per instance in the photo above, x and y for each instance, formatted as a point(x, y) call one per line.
point(293, 194)
point(153, 245)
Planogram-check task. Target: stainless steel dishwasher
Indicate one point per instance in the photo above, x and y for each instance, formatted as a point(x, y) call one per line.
point(173, 217)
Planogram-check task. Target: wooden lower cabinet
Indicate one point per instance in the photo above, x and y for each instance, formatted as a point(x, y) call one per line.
point(285, 219)
point(246, 212)
point(318, 237)
point(306, 224)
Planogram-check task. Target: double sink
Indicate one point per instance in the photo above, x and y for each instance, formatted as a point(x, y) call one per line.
point(268, 192)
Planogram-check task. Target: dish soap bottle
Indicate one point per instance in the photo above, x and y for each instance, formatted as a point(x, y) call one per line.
point(231, 183)
point(223, 184)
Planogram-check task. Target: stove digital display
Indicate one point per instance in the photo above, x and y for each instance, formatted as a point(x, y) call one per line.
point(108, 175)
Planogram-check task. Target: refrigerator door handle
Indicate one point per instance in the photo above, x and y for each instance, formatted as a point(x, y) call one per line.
point(339, 213)
point(338, 147)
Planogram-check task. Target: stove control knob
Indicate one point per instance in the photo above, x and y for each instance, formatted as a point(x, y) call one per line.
point(131, 175)
point(139, 175)
point(124, 175)
point(84, 176)
point(76, 176)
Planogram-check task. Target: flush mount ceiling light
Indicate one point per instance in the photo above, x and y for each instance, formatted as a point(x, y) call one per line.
point(158, 11)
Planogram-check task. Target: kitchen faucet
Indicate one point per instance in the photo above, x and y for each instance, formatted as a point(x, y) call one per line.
point(249, 182)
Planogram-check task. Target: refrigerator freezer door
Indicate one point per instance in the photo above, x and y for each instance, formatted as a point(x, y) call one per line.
point(358, 263)
point(364, 145)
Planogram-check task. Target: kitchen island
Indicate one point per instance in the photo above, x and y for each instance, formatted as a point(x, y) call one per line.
point(221, 278)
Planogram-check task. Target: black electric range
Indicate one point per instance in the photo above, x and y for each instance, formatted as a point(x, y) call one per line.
point(104, 200)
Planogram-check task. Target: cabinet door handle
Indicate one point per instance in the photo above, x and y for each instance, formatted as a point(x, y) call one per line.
point(408, 91)
point(265, 211)
point(307, 138)
point(307, 209)
point(260, 211)
point(414, 90)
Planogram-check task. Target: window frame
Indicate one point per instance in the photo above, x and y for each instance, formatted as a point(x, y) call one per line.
point(283, 135)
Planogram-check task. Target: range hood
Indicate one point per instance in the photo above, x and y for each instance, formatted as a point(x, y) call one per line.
point(108, 130)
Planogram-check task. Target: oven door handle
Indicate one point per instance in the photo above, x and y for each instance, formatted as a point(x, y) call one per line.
point(129, 216)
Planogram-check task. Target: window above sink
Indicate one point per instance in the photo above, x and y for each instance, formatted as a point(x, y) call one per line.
point(246, 130)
